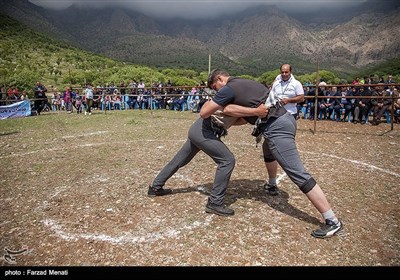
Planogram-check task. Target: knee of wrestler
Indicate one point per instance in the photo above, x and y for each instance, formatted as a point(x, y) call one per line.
point(268, 158)
point(229, 162)
point(308, 185)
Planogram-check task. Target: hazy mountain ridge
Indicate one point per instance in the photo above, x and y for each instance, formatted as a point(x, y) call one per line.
point(254, 41)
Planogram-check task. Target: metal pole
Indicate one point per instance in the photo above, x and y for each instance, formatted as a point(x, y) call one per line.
point(316, 100)
point(151, 90)
point(392, 112)
point(209, 63)
point(69, 74)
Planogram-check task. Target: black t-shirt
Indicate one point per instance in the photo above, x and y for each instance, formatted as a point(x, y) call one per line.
point(242, 92)
point(40, 92)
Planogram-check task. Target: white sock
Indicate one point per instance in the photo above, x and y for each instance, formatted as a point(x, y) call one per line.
point(329, 215)
point(272, 181)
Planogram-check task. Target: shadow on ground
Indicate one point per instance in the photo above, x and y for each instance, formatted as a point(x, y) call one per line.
point(252, 189)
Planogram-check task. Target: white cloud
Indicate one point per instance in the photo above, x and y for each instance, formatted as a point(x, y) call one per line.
point(197, 8)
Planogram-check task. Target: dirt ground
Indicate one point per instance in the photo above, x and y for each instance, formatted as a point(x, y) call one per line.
point(74, 193)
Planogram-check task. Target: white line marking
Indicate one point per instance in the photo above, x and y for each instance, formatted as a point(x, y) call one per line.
point(86, 134)
point(126, 238)
point(281, 177)
point(357, 162)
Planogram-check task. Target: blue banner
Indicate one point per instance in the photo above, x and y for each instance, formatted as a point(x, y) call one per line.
point(16, 110)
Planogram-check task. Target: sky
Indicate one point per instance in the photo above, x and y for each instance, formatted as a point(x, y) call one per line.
point(197, 9)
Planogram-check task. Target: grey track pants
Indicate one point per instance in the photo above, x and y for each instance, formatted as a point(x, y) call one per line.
point(280, 144)
point(202, 138)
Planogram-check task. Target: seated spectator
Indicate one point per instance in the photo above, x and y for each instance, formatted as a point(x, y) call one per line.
point(380, 105)
point(141, 99)
point(390, 80)
point(24, 95)
point(344, 108)
point(179, 102)
point(116, 100)
point(330, 103)
point(12, 94)
point(362, 106)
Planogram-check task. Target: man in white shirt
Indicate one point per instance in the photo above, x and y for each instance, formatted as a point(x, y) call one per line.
point(289, 92)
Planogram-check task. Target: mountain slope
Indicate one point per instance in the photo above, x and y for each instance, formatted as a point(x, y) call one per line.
point(251, 42)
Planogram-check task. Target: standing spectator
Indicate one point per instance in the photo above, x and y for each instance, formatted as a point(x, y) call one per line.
point(356, 81)
point(67, 96)
point(88, 99)
point(141, 86)
point(169, 86)
point(389, 81)
point(55, 101)
point(122, 87)
point(97, 97)
point(40, 97)
point(75, 94)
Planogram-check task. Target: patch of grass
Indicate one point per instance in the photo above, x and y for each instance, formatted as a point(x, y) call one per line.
point(133, 121)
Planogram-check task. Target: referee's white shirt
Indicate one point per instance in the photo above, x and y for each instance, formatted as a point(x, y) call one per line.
point(287, 89)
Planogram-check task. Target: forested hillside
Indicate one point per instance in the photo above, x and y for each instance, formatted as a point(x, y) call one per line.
point(27, 56)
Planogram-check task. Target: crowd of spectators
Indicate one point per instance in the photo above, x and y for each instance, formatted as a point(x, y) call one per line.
point(354, 102)
point(357, 102)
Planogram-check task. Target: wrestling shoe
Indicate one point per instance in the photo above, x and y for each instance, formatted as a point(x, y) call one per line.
point(271, 189)
point(221, 210)
point(329, 229)
point(160, 192)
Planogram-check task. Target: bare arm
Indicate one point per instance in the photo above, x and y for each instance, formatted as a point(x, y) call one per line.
point(297, 99)
point(209, 108)
point(241, 111)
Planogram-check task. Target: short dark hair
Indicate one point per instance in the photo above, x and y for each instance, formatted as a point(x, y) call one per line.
point(214, 74)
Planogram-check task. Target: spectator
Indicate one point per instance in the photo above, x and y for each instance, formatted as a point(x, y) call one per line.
point(40, 97)
point(344, 107)
point(24, 95)
point(328, 107)
point(67, 97)
point(78, 104)
point(379, 105)
point(362, 106)
point(88, 97)
point(396, 106)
